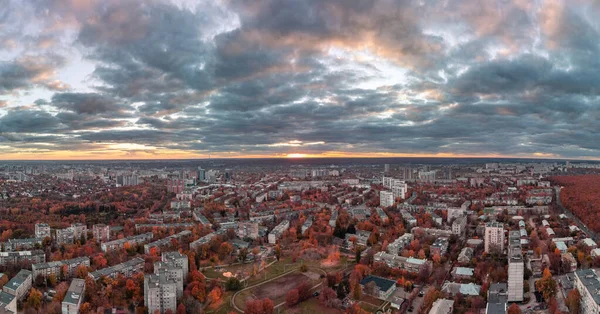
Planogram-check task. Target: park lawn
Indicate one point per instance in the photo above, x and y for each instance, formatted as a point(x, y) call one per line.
point(214, 274)
point(312, 306)
point(275, 290)
point(369, 303)
point(226, 306)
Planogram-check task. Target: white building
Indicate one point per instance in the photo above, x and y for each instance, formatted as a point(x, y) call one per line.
point(276, 233)
point(20, 284)
point(386, 199)
point(42, 230)
point(442, 306)
point(459, 225)
point(74, 297)
point(65, 236)
point(79, 230)
point(587, 283)
point(494, 237)
point(160, 293)
point(101, 232)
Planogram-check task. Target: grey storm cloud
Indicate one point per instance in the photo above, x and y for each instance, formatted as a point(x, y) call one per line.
point(471, 77)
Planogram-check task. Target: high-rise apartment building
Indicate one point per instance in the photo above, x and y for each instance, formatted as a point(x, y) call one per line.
point(386, 198)
point(494, 237)
point(101, 232)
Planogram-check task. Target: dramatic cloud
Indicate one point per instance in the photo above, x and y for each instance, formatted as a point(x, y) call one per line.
point(274, 77)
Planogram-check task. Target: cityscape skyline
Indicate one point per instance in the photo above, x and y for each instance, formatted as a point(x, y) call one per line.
point(91, 80)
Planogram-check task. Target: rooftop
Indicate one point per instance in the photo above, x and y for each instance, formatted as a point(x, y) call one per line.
point(383, 283)
point(75, 292)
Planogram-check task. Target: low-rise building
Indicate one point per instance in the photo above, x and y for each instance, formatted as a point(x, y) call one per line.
point(23, 244)
point(247, 229)
point(57, 268)
point(587, 283)
point(382, 287)
point(400, 243)
point(127, 269)
point(468, 289)
point(459, 225)
point(439, 246)
point(569, 259)
point(74, 297)
point(166, 242)
point(408, 218)
point(35, 256)
point(442, 306)
point(465, 256)
point(410, 264)
point(463, 273)
point(8, 303)
point(120, 243)
point(276, 233)
point(20, 284)
point(201, 241)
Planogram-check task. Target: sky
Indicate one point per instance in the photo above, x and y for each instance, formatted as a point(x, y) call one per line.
point(114, 79)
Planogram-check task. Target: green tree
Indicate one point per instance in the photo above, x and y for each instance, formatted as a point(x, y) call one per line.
point(358, 253)
point(243, 254)
point(233, 284)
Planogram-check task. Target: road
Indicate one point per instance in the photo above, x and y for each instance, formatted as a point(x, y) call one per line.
point(532, 303)
point(574, 218)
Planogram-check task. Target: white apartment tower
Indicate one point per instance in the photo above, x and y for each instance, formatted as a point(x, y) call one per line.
point(42, 230)
point(386, 199)
point(494, 237)
point(160, 293)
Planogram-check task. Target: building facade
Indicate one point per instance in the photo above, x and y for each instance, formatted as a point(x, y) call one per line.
point(101, 232)
point(494, 237)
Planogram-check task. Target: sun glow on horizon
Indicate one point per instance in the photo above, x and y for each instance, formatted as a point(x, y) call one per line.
point(296, 155)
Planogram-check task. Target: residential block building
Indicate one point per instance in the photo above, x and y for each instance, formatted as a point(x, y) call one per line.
point(42, 230)
point(56, 268)
point(494, 237)
point(35, 256)
point(127, 269)
point(20, 284)
point(133, 240)
point(74, 297)
point(101, 232)
point(160, 293)
point(276, 233)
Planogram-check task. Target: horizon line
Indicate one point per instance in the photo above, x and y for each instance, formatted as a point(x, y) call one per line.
point(315, 157)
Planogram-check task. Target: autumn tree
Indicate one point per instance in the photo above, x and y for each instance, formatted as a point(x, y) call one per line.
point(514, 309)
point(546, 285)
point(573, 301)
point(277, 252)
point(430, 297)
point(292, 297)
point(34, 300)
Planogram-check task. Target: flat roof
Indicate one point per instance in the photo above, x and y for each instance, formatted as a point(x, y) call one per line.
point(75, 292)
point(384, 284)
